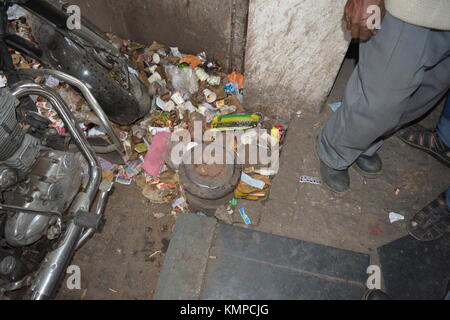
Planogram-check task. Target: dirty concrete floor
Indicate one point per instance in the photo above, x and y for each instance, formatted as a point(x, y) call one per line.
point(117, 263)
point(123, 262)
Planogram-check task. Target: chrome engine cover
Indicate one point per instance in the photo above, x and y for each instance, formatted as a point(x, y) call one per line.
point(51, 185)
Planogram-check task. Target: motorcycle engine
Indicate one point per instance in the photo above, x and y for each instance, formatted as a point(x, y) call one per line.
point(33, 176)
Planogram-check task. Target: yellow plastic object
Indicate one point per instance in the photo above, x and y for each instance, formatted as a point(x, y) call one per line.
point(246, 191)
point(236, 121)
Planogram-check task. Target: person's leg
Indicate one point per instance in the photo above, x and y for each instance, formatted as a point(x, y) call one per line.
point(435, 142)
point(443, 128)
point(392, 68)
point(448, 198)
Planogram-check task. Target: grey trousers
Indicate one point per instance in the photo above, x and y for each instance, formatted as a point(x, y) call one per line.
point(402, 73)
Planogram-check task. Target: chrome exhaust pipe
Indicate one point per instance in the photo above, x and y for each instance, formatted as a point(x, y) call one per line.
point(47, 278)
point(87, 94)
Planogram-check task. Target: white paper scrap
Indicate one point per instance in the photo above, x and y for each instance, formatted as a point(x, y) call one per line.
point(52, 82)
point(178, 202)
point(395, 217)
point(3, 81)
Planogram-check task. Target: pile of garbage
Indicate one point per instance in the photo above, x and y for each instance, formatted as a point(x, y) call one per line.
point(185, 88)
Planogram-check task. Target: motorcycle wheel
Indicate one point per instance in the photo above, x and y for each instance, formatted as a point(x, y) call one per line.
point(123, 106)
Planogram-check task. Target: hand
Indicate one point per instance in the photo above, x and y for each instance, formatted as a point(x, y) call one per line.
point(356, 17)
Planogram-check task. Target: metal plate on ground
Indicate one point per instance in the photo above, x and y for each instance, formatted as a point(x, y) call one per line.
point(415, 270)
point(245, 264)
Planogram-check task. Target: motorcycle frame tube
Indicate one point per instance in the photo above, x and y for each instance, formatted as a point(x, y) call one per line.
point(51, 270)
point(98, 110)
point(5, 208)
point(102, 200)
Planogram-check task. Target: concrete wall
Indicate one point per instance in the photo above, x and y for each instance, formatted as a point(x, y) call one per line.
point(294, 51)
point(215, 26)
point(106, 14)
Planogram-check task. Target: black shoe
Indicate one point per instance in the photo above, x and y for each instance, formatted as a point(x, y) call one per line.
point(336, 180)
point(369, 167)
point(426, 140)
point(376, 295)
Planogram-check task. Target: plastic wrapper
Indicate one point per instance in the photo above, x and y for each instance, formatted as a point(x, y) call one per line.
point(183, 80)
point(252, 188)
point(194, 61)
point(237, 121)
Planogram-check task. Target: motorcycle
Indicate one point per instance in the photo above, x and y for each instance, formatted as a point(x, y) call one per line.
point(86, 54)
point(47, 194)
